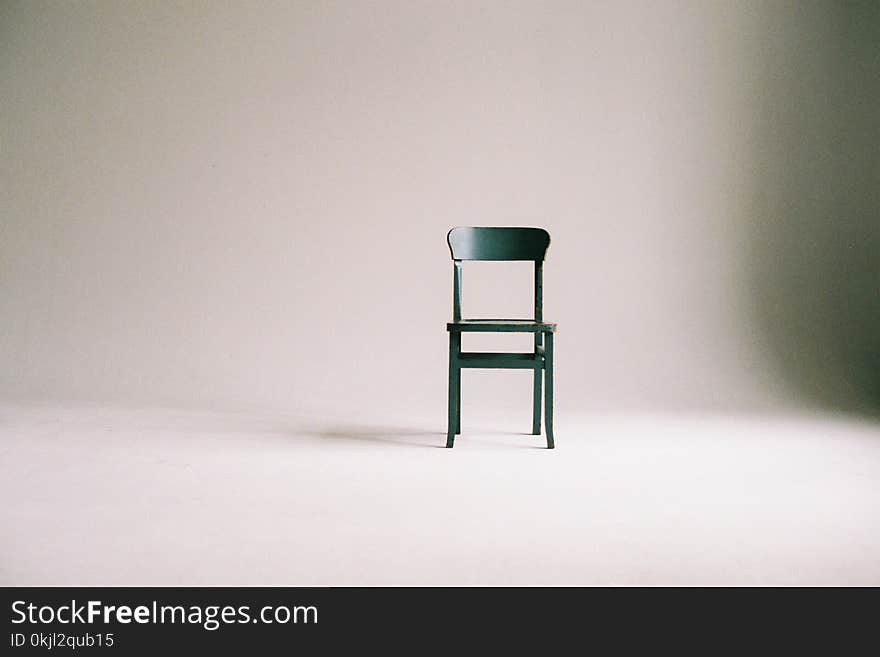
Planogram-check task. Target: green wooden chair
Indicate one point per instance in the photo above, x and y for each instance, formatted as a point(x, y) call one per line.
point(500, 244)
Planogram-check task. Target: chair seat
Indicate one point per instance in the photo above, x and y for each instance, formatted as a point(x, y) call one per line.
point(501, 326)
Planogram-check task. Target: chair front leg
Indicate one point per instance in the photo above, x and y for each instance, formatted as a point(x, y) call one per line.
point(548, 386)
point(454, 387)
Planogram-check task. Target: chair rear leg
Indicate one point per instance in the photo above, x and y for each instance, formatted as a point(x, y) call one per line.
point(458, 401)
point(536, 393)
point(548, 392)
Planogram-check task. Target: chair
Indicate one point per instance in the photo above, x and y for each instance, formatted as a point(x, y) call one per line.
point(500, 244)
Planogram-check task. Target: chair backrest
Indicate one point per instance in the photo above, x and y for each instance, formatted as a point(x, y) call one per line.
point(481, 243)
point(498, 244)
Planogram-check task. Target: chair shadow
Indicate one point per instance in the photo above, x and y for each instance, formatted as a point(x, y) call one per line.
point(402, 436)
point(387, 435)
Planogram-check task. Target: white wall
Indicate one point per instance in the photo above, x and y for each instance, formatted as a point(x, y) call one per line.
point(247, 202)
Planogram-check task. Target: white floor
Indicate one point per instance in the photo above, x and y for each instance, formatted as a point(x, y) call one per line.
point(110, 496)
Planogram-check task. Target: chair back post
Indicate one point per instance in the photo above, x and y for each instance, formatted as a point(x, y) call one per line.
point(539, 291)
point(456, 291)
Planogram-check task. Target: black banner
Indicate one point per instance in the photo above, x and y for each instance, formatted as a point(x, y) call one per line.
point(124, 621)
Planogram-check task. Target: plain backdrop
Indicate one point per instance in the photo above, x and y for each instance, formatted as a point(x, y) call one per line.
point(209, 203)
point(224, 284)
